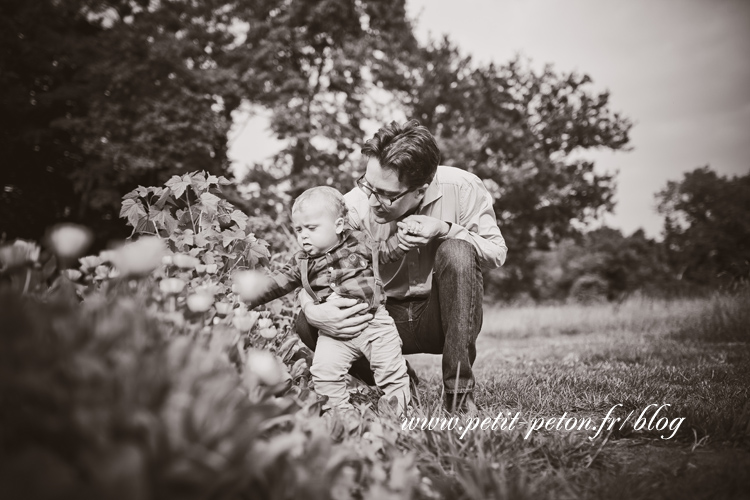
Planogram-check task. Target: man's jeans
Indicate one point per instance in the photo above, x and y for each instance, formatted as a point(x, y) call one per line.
point(447, 322)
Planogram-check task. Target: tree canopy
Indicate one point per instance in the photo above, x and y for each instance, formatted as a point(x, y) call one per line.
point(707, 226)
point(99, 97)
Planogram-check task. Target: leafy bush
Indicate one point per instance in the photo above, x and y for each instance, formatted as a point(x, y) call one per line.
point(589, 288)
point(141, 375)
point(99, 401)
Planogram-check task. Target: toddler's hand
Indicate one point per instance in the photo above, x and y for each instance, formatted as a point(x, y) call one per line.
point(405, 242)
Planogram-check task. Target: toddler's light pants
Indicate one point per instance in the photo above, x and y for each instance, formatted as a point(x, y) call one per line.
point(380, 344)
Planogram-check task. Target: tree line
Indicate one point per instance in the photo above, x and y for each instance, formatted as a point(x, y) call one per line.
point(99, 97)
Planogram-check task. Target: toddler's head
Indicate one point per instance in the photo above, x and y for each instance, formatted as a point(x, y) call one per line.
point(319, 217)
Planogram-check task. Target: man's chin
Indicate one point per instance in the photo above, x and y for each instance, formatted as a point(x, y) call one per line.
point(382, 218)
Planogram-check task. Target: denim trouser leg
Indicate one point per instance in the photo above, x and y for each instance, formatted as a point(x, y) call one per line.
point(447, 322)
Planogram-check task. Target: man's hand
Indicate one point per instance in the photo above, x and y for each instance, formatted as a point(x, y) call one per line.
point(339, 318)
point(417, 230)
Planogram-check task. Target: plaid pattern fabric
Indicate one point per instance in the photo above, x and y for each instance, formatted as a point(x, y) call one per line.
point(346, 269)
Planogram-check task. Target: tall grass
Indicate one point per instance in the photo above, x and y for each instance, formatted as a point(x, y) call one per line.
point(542, 361)
point(718, 317)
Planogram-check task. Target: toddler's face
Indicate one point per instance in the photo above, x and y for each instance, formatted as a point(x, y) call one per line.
point(317, 229)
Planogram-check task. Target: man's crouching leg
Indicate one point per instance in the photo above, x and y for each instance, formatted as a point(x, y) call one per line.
point(459, 285)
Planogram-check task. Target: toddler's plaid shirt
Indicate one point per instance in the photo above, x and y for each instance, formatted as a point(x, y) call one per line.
point(345, 269)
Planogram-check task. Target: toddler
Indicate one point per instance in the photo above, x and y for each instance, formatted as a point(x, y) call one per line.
point(338, 261)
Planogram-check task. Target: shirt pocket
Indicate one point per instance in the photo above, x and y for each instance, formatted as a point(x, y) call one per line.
point(356, 262)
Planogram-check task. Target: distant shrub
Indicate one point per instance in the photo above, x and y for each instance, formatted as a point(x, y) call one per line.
point(589, 288)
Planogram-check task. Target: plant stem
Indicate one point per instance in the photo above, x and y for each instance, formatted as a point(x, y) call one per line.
point(28, 280)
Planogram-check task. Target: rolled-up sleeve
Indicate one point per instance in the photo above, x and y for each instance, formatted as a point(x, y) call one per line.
point(478, 224)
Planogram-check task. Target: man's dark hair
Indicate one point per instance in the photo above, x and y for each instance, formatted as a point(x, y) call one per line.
point(409, 149)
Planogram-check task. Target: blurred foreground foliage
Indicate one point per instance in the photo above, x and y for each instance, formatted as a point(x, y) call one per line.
point(137, 373)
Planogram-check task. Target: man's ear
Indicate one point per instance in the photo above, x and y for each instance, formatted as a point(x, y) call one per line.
point(340, 225)
point(421, 191)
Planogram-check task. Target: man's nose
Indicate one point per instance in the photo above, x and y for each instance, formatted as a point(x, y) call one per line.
point(373, 200)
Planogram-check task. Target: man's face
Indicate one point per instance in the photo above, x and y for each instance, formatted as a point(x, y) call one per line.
point(385, 182)
point(316, 228)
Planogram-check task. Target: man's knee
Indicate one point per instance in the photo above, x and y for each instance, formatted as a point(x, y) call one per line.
point(456, 254)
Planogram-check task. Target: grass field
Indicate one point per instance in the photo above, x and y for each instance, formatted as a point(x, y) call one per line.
point(543, 361)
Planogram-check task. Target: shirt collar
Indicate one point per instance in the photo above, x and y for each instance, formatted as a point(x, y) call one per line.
point(432, 193)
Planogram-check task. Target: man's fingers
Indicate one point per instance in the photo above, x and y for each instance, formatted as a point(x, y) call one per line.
point(342, 302)
point(345, 333)
point(356, 308)
point(355, 319)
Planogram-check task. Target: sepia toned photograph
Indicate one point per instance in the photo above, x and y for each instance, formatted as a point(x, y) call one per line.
point(374, 249)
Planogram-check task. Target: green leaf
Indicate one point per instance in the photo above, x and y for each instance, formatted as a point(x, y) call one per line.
point(199, 182)
point(189, 238)
point(240, 218)
point(257, 254)
point(164, 219)
point(178, 184)
point(165, 196)
point(229, 237)
point(133, 211)
point(131, 195)
point(210, 202)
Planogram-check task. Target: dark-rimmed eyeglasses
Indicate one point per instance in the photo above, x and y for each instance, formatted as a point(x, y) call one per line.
point(384, 199)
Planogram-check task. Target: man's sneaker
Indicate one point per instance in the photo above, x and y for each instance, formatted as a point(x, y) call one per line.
point(460, 402)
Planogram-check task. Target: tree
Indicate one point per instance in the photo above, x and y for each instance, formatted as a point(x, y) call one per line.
point(523, 132)
point(101, 96)
point(707, 226)
point(315, 65)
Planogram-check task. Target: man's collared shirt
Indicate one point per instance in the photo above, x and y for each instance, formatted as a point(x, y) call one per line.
point(345, 269)
point(454, 196)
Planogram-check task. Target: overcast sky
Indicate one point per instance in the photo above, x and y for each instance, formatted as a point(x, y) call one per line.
point(679, 69)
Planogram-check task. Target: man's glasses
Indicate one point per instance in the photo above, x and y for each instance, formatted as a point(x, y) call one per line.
point(384, 199)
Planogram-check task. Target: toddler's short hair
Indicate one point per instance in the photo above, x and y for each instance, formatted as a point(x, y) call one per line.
point(332, 198)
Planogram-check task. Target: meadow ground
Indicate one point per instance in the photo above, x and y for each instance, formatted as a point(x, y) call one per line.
point(545, 361)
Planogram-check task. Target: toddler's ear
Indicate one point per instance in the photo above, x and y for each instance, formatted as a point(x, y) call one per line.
point(340, 225)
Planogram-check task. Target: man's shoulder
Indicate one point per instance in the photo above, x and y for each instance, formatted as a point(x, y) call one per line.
point(354, 195)
point(456, 176)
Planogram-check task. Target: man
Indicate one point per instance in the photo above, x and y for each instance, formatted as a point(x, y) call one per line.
point(444, 219)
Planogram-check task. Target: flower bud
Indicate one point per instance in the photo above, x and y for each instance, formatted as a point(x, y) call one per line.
point(171, 286)
point(265, 366)
point(140, 257)
point(223, 308)
point(200, 302)
point(18, 254)
point(268, 333)
point(246, 322)
point(70, 241)
point(184, 261)
point(265, 323)
point(248, 283)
